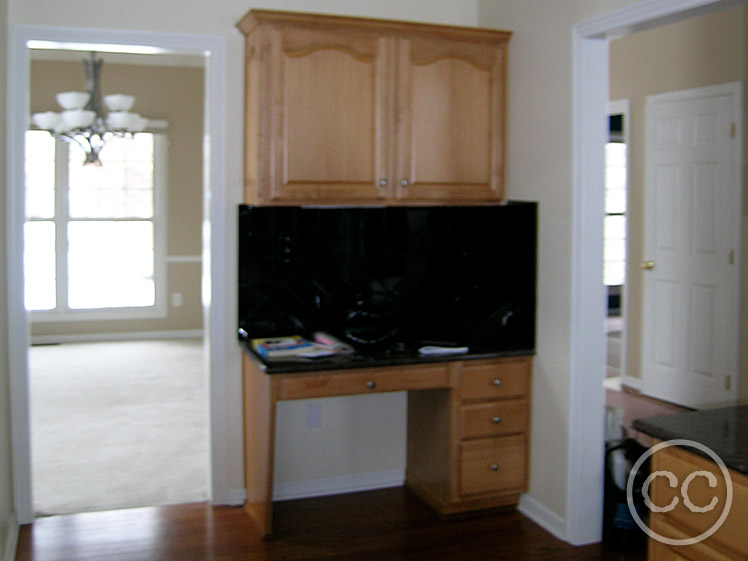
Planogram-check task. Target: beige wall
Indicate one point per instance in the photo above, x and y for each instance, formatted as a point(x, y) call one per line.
point(697, 52)
point(174, 94)
point(6, 487)
point(540, 168)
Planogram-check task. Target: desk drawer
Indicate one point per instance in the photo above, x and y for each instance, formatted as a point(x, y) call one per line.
point(350, 382)
point(494, 418)
point(496, 380)
point(493, 464)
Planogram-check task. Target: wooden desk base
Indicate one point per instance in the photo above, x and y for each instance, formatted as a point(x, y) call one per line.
point(468, 428)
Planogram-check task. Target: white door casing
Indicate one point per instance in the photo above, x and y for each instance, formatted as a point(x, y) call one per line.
point(693, 202)
point(215, 229)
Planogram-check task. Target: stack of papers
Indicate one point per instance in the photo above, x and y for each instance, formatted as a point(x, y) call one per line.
point(437, 350)
point(275, 348)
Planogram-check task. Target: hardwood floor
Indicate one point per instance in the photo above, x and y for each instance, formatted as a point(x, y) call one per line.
point(388, 524)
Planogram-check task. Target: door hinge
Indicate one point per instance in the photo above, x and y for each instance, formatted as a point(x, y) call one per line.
point(728, 383)
point(733, 130)
point(731, 257)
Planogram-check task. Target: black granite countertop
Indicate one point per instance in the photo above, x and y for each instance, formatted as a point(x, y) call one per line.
point(373, 358)
point(724, 431)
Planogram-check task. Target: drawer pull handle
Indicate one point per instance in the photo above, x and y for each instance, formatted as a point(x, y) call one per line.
point(371, 385)
point(496, 420)
point(494, 467)
point(496, 382)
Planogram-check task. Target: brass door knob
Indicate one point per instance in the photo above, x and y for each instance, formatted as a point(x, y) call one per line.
point(647, 265)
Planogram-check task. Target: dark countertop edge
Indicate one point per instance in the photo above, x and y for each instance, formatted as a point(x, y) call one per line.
point(682, 426)
point(344, 362)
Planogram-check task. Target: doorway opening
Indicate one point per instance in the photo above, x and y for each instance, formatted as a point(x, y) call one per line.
point(112, 260)
point(591, 95)
point(213, 231)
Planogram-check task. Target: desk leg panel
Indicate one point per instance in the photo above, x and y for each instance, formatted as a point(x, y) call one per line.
point(259, 436)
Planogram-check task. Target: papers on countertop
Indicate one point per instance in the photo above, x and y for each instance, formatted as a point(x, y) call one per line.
point(275, 348)
point(436, 350)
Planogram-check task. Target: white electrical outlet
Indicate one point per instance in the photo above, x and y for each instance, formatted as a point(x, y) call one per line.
point(313, 415)
point(176, 300)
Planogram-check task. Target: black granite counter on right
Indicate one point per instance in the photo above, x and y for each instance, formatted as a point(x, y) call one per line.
point(724, 431)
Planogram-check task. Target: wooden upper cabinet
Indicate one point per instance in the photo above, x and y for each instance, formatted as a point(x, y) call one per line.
point(351, 110)
point(450, 120)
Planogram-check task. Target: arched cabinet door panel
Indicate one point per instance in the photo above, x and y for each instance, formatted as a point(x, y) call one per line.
point(451, 120)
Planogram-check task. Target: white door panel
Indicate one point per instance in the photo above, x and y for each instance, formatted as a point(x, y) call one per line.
point(692, 234)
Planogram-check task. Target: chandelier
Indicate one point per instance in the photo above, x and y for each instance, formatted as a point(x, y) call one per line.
point(82, 119)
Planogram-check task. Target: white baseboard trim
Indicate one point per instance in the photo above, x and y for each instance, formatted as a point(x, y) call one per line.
point(121, 336)
point(631, 382)
point(542, 516)
point(335, 485)
point(234, 497)
point(10, 543)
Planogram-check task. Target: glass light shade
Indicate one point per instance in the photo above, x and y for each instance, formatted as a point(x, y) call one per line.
point(73, 100)
point(47, 120)
point(78, 118)
point(119, 102)
point(62, 127)
point(122, 120)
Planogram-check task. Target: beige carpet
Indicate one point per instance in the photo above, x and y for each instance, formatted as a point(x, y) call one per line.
point(118, 425)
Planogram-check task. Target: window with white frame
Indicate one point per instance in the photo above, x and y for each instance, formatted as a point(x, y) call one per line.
point(95, 235)
point(614, 265)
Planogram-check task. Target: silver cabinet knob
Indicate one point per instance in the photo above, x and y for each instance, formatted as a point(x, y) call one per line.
point(496, 420)
point(371, 385)
point(496, 382)
point(404, 183)
point(494, 467)
point(383, 183)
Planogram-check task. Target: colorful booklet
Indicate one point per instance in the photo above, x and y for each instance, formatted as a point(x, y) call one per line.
point(290, 347)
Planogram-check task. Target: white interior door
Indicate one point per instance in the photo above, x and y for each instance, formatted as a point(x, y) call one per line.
point(692, 246)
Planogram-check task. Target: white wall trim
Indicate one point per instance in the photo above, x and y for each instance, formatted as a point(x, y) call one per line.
point(631, 382)
point(121, 336)
point(10, 543)
point(214, 260)
point(590, 97)
point(647, 15)
point(235, 497)
point(184, 259)
point(542, 516)
point(584, 511)
point(18, 327)
point(349, 483)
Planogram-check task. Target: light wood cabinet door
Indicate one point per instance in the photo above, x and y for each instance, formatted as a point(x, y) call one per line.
point(450, 104)
point(328, 115)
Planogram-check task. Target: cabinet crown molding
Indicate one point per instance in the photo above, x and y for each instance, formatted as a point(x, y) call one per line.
point(255, 18)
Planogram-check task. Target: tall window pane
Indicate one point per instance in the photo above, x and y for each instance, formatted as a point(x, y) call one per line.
point(40, 175)
point(110, 264)
point(39, 265)
point(614, 271)
point(122, 187)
